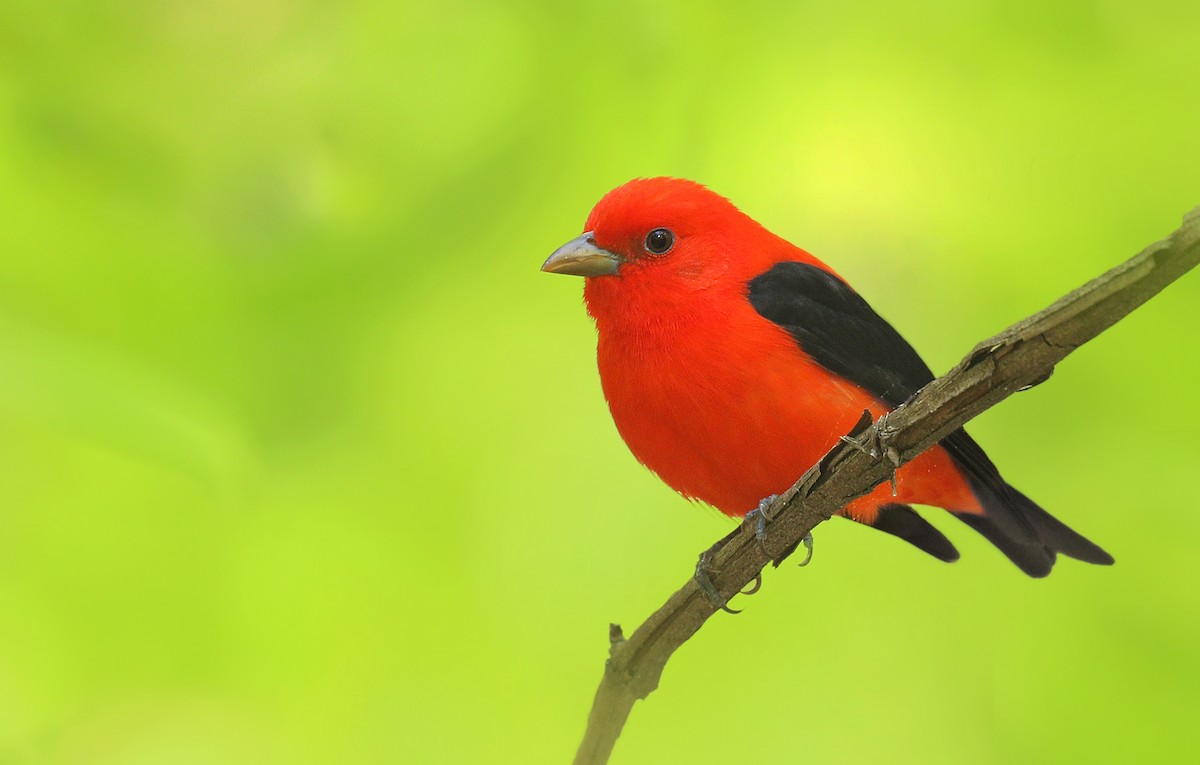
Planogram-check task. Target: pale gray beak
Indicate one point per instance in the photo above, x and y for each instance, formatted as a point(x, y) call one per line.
point(581, 257)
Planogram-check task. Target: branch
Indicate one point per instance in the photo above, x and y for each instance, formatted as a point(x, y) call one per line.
point(1018, 358)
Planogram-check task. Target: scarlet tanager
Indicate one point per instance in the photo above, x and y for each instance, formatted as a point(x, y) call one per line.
point(733, 360)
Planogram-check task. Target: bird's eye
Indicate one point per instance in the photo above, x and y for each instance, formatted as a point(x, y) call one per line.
point(659, 241)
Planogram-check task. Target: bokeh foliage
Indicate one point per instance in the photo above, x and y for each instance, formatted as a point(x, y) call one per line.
point(303, 461)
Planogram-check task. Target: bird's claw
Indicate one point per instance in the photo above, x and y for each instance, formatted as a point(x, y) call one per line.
point(807, 541)
point(808, 548)
point(704, 581)
point(755, 587)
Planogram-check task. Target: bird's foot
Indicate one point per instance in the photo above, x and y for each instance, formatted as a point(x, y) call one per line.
point(871, 444)
point(860, 446)
point(706, 585)
point(762, 517)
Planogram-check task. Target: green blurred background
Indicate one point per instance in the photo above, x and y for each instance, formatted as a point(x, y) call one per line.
point(303, 461)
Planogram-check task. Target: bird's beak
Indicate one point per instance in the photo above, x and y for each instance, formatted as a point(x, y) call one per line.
point(581, 257)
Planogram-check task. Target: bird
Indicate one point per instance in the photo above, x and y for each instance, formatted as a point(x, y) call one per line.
point(732, 361)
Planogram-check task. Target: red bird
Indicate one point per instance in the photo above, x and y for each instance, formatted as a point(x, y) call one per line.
point(733, 360)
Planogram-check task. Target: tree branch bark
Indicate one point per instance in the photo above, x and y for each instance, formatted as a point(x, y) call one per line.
point(1019, 357)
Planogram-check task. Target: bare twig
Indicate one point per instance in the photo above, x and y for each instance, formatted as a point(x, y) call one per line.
point(1019, 357)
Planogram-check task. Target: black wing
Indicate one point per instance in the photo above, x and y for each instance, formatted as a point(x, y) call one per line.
point(839, 330)
point(842, 333)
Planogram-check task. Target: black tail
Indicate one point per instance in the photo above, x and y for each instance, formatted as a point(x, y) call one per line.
point(1027, 534)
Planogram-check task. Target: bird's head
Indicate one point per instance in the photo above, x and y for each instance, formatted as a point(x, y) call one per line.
point(661, 230)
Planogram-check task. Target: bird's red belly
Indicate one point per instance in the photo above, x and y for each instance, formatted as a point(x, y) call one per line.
point(732, 432)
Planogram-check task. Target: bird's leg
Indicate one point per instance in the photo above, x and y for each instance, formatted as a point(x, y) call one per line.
point(893, 457)
point(762, 517)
